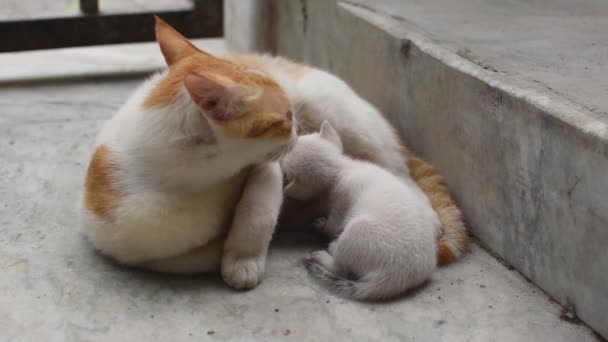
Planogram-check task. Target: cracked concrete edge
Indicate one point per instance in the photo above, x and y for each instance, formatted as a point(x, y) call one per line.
point(525, 164)
point(463, 60)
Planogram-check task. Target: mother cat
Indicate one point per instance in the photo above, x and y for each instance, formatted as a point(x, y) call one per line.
point(184, 177)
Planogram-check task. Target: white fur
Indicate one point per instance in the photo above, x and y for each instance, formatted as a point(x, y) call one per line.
point(177, 202)
point(179, 198)
point(384, 226)
point(318, 95)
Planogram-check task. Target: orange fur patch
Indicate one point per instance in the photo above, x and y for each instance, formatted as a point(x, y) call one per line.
point(269, 125)
point(264, 117)
point(100, 195)
point(174, 46)
point(455, 240)
point(167, 91)
point(444, 253)
point(277, 128)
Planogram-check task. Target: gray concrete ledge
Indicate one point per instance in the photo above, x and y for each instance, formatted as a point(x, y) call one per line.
point(557, 46)
point(123, 60)
point(527, 165)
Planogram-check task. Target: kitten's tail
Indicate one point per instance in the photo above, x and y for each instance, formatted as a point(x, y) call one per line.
point(367, 288)
point(454, 240)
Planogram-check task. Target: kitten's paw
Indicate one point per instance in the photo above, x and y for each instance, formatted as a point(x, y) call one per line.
point(322, 258)
point(242, 273)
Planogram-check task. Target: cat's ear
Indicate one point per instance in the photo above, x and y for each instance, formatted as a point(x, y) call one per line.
point(172, 44)
point(220, 100)
point(329, 133)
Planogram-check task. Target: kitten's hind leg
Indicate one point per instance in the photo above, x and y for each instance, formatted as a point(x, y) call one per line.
point(324, 259)
point(202, 259)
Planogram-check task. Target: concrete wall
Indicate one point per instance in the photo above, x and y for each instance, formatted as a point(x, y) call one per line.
point(250, 24)
point(529, 171)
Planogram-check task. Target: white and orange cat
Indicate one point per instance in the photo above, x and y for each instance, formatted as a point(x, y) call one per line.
point(184, 177)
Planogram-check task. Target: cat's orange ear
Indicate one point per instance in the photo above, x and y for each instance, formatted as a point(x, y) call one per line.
point(172, 44)
point(222, 101)
point(329, 133)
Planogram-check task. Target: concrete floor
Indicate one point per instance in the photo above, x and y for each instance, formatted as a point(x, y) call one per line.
point(480, 89)
point(559, 45)
point(54, 287)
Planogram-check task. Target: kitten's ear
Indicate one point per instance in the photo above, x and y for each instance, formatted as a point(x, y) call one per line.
point(172, 44)
point(220, 100)
point(329, 133)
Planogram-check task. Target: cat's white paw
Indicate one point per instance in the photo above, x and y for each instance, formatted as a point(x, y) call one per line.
point(242, 273)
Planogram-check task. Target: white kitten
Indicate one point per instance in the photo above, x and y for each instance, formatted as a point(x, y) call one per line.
point(385, 227)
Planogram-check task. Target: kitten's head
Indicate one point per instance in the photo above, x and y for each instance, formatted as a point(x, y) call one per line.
point(313, 164)
point(223, 109)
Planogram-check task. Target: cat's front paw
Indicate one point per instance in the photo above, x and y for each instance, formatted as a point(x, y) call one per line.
point(242, 273)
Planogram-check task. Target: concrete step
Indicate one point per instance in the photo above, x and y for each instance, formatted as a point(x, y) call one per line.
point(110, 61)
point(55, 287)
point(508, 98)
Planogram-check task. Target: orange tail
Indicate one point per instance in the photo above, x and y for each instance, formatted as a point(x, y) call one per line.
point(454, 241)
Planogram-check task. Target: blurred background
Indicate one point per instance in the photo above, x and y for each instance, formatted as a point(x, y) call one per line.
point(19, 9)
